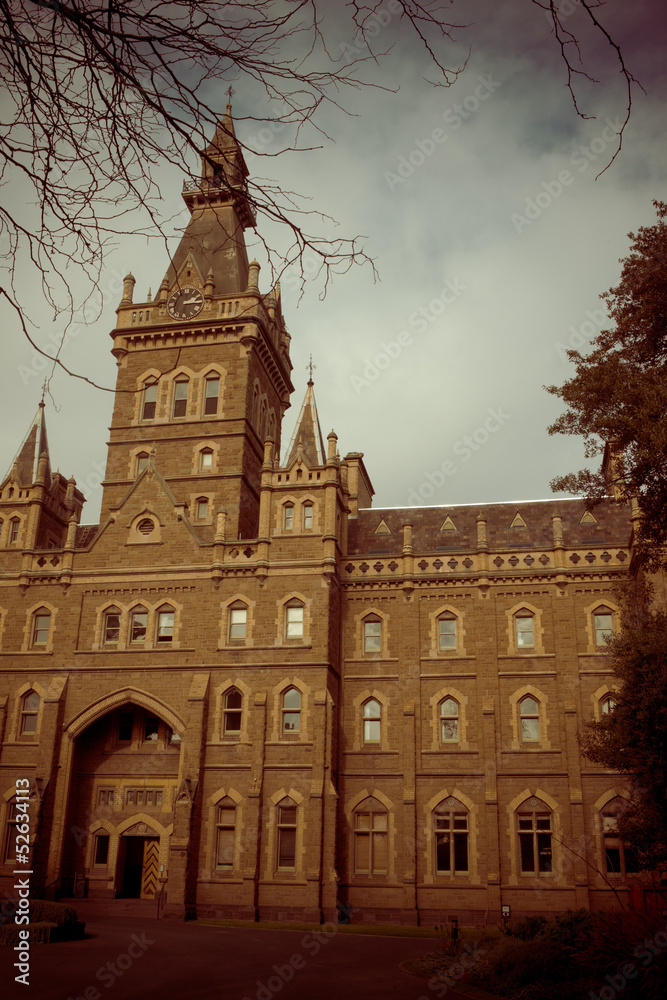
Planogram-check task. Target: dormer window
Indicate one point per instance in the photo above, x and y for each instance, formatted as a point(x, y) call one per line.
point(180, 407)
point(149, 401)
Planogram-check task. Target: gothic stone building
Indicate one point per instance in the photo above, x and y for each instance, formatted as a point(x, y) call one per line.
point(248, 692)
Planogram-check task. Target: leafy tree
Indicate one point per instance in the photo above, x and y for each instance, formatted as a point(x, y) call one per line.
point(618, 397)
point(99, 94)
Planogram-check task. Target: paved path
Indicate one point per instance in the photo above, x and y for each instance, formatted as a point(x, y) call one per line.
point(139, 958)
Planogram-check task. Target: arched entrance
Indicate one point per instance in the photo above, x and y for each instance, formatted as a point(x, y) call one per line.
point(138, 866)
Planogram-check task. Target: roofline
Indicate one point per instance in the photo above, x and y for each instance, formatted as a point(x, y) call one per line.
point(492, 503)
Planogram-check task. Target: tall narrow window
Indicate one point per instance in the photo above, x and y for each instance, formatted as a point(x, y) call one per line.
point(449, 721)
point(288, 516)
point(372, 719)
point(149, 400)
point(211, 395)
point(524, 629)
point(608, 704)
point(138, 625)
point(101, 850)
point(447, 631)
point(225, 833)
point(451, 837)
point(151, 729)
point(206, 460)
point(372, 626)
point(371, 825)
point(14, 530)
point(307, 516)
point(125, 726)
point(41, 625)
point(291, 711)
point(142, 461)
point(529, 718)
point(231, 725)
point(201, 507)
point(287, 833)
point(294, 620)
point(535, 839)
point(620, 858)
point(111, 629)
point(165, 624)
point(238, 621)
point(180, 406)
point(29, 713)
point(10, 833)
point(603, 621)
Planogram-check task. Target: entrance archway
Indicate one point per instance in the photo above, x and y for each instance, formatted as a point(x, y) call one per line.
point(138, 863)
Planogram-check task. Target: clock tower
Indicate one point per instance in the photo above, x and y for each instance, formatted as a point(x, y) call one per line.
point(204, 368)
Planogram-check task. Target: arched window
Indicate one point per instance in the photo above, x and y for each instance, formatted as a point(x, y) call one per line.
point(142, 461)
point(11, 823)
point(201, 508)
point(524, 629)
point(111, 627)
point(288, 516)
point(371, 826)
point(211, 394)
point(534, 826)
point(238, 621)
point(287, 833)
point(149, 399)
point(231, 721)
point(138, 624)
point(29, 713)
point(101, 849)
point(529, 719)
point(307, 516)
point(291, 711)
point(447, 631)
point(165, 624)
point(608, 704)
point(41, 626)
point(602, 624)
point(14, 526)
point(206, 460)
point(372, 719)
point(294, 620)
point(620, 858)
point(450, 825)
point(372, 634)
point(225, 833)
point(180, 401)
point(449, 721)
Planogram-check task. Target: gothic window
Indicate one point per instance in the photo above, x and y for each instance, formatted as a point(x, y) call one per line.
point(620, 858)
point(524, 629)
point(12, 821)
point(534, 826)
point(608, 704)
point(206, 460)
point(225, 834)
point(447, 631)
point(294, 620)
point(371, 826)
point(29, 713)
point(291, 711)
point(231, 720)
point(238, 621)
point(602, 622)
point(372, 625)
point(211, 395)
point(151, 729)
point(180, 403)
point(449, 721)
point(41, 626)
point(149, 399)
point(372, 720)
point(450, 824)
point(288, 516)
point(287, 833)
point(14, 525)
point(165, 624)
point(529, 719)
point(101, 849)
point(307, 516)
point(142, 461)
point(201, 507)
point(111, 626)
point(138, 625)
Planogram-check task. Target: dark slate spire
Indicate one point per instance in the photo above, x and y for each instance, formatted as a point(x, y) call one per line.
point(307, 437)
point(35, 444)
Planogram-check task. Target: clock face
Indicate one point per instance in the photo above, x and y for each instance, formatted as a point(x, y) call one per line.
point(185, 303)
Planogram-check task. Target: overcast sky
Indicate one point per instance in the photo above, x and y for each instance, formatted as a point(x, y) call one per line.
point(442, 362)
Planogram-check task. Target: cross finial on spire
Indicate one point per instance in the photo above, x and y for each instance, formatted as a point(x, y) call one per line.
point(310, 368)
point(45, 385)
point(230, 94)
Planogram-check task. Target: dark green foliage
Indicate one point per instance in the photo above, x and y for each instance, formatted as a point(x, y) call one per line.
point(617, 940)
point(528, 928)
point(58, 913)
point(40, 933)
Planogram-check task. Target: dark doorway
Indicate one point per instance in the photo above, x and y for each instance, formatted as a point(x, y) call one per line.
point(138, 867)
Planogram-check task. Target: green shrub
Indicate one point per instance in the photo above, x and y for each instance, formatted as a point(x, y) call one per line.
point(58, 913)
point(40, 933)
point(571, 929)
point(518, 963)
point(528, 928)
point(613, 940)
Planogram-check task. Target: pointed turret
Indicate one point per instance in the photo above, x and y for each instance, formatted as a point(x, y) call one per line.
point(307, 437)
point(35, 445)
point(213, 243)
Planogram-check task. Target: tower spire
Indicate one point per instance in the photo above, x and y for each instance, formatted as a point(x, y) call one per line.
point(307, 436)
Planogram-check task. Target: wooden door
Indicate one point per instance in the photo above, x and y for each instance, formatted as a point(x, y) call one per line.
point(150, 868)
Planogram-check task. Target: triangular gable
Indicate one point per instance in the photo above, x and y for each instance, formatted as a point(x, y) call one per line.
point(448, 525)
point(383, 528)
point(518, 521)
point(587, 518)
point(193, 279)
